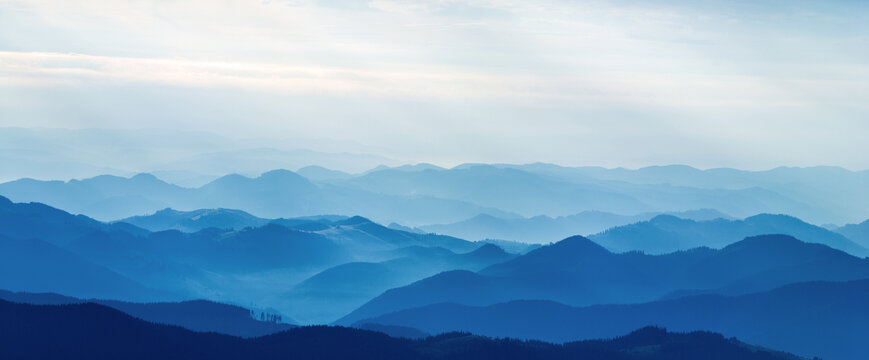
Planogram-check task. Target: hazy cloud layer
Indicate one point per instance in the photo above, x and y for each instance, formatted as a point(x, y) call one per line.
point(591, 82)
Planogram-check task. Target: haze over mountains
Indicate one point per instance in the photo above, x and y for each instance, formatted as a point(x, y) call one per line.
point(427, 195)
point(187, 158)
point(295, 246)
point(54, 251)
point(434, 180)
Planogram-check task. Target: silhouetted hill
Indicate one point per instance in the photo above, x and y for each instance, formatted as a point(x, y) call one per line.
point(827, 319)
point(192, 221)
point(198, 315)
point(395, 331)
point(92, 331)
point(544, 229)
point(578, 272)
point(665, 233)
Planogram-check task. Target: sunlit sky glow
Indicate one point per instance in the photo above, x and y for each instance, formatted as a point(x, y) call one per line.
point(615, 83)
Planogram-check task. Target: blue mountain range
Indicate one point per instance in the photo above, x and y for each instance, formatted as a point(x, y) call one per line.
point(792, 318)
point(579, 272)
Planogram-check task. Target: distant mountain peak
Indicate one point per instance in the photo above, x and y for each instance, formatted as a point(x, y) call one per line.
point(355, 220)
point(279, 174)
point(145, 177)
point(167, 211)
point(774, 242)
point(772, 217)
point(577, 243)
point(489, 250)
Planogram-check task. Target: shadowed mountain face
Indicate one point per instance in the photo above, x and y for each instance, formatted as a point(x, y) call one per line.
point(199, 315)
point(35, 265)
point(92, 331)
point(793, 318)
point(264, 265)
point(578, 272)
point(336, 291)
point(665, 233)
point(544, 229)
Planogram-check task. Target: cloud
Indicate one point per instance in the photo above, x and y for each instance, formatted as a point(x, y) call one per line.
point(428, 82)
point(624, 82)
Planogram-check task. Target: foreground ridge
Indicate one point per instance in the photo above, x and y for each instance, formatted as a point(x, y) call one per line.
point(92, 331)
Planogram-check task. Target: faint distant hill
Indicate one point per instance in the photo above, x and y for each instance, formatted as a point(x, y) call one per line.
point(321, 174)
point(579, 272)
point(507, 189)
point(824, 319)
point(858, 233)
point(43, 153)
point(425, 194)
point(192, 221)
point(91, 331)
point(834, 192)
point(274, 194)
point(665, 233)
point(543, 229)
point(558, 191)
point(198, 315)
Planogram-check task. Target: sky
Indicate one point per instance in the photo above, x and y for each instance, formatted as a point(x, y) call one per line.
point(745, 84)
